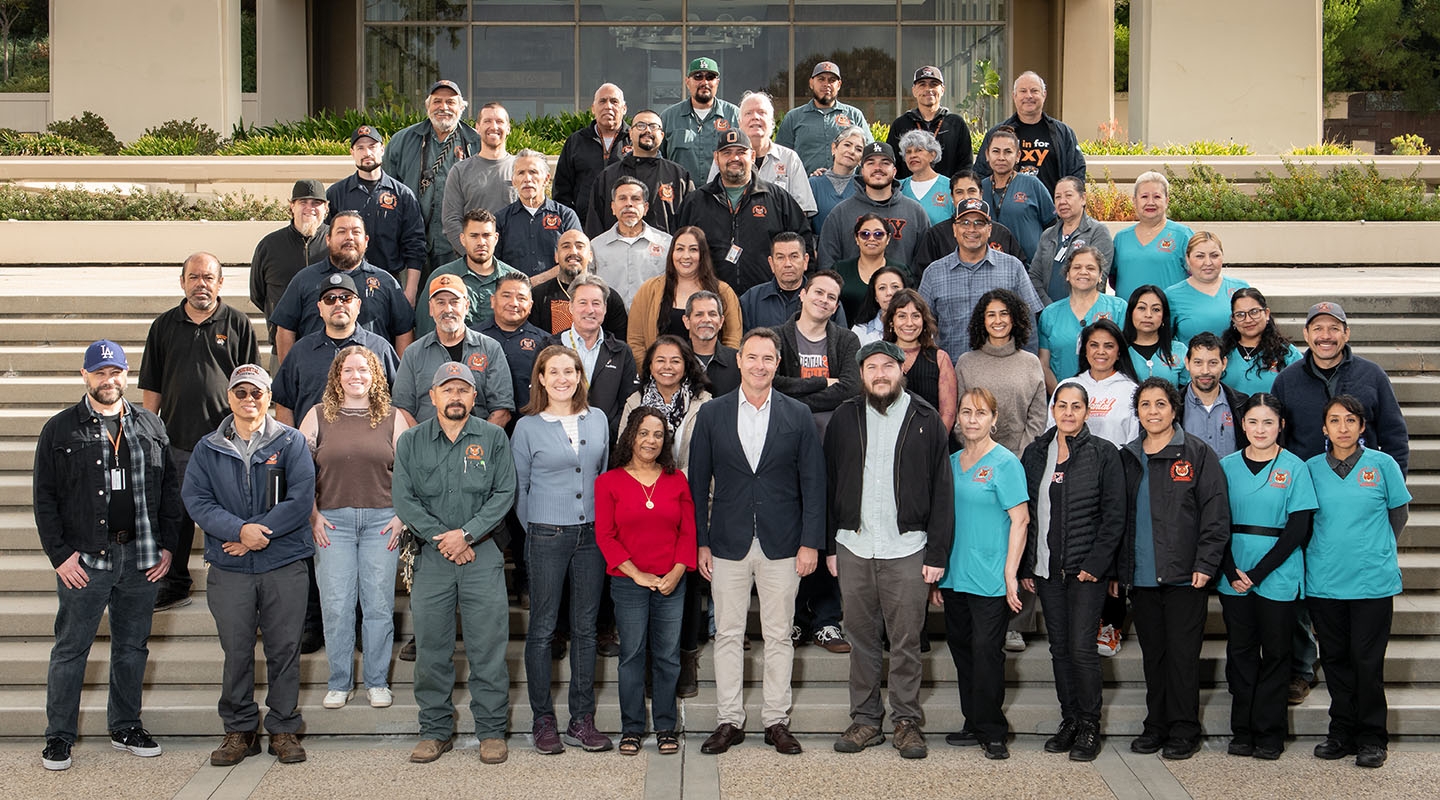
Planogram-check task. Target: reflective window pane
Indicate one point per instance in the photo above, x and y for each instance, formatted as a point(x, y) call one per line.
point(630, 11)
point(749, 56)
point(955, 49)
point(727, 11)
point(402, 61)
point(644, 61)
point(414, 10)
point(844, 11)
point(866, 59)
point(524, 11)
point(531, 70)
point(953, 10)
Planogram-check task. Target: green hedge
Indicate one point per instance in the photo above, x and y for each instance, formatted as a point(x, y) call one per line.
point(76, 203)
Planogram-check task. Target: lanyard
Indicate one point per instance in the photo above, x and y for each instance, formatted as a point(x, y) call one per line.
point(115, 441)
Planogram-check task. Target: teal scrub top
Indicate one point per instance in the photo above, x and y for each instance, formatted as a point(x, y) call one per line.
point(1060, 331)
point(1267, 499)
point(1162, 262)
point(937, 203)
point(1249, 377)
point(1193, 311)
point(986, 494)
point(1352, 553)
point(1157, 368)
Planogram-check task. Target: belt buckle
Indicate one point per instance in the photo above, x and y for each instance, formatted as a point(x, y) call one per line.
point(123, 537)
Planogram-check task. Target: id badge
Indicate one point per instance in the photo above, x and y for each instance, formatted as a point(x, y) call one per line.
point(117, 479)
point(734, 255)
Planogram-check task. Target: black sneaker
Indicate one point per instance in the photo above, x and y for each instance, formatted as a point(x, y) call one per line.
point(962, 738)
point(1180, 749)
point(1064, 738)
point(137, 740)
point(56, 755)
point(1087, 742)
point(1333, 749)
point(1239, 748)
point(1371, 755)
point(996, 751)
point(1147, 744)
point(166, 600)
point(312, 641)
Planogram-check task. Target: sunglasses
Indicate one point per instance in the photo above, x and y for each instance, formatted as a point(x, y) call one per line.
point(705, 76)
point(243, 394)
point(337, 297)
point(871, 234)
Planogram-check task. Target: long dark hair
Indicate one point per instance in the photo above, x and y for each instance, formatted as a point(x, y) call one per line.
point(693, 371)
point(1020, 318)
point(870, 306)
point(1122, 358)
point(705, 274)
point(1273, 347)
point(1166, 346)
point(907, 297)
point(625, 445)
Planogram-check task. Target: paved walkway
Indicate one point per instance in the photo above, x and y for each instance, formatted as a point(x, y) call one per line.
point(366, 767)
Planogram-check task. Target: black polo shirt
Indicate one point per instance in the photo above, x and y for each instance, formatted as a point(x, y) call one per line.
point(190, 365)
point(521, 347)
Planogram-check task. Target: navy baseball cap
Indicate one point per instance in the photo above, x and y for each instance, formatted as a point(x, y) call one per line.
point(445, 84)
point(364, 132)
point(105, 353)
point(882, 149)
point(972, 205)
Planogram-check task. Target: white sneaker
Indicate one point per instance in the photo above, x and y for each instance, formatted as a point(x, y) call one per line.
point(1107, 642)
point(337, 699)
point(1014, 642)
point(380, 697)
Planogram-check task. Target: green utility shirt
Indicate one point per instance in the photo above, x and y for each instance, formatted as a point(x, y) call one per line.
point(440, 485)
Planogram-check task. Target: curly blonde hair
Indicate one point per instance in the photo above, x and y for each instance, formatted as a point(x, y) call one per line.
point(379, 386)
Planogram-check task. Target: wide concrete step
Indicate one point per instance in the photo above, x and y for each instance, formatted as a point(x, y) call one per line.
point(190, 711)
point(1358, 307)
point(32, 614)
point(83, 329)
point(1400, 359)
point(91, 298)
point(1370, 330)
point(199, 661)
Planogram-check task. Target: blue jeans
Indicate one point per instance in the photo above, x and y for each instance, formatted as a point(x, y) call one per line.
point(644, 616)
point(357, 564)
point(131, 599)
point(552, 552)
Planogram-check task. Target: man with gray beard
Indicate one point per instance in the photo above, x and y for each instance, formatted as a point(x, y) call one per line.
point(453, 340)
point(889, 540)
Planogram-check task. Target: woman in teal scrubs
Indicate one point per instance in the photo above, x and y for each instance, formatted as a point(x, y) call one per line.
point(1272, 503)
point(1150, 335)
point(1352, 574)
point(1201, 302)
point(1255, 349)
point(1153, 249)
point(1062, 320)
point(980, 588)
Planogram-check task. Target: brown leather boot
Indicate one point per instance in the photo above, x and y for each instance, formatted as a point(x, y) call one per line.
point(689, 683)
point(235, 748)
point(286, 748)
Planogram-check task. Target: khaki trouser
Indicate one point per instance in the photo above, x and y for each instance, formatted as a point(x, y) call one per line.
point(776, 582)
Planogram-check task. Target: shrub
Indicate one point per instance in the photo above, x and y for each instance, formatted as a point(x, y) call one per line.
point(285, 146)
point(521, 140)
point(1206, 196)
point(1119, 147)
point(75, 203)
point(44, 144)
point(554, 128)
point(206, 139)
point(1326, 148)
point(88, 129)
point(880, 132)
point(153, 145)
point(1409, 144)
point(1343, 193)
point(1107, 203)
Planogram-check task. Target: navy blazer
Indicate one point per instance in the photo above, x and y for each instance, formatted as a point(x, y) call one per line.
point(782, 502)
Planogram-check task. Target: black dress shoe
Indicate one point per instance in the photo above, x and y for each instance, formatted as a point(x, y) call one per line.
point(725, 737)
point(1268, 753)
point(1147, 743)
point(1333, 749)
point(407, 652)
point(1180, 749)
point(1371, 755)
point(780, 737)
point(1064, 737)
point(996, 751)
point(1238, 748)
point(962, 738)
point(312, 641)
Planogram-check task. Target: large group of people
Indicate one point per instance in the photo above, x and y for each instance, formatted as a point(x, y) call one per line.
point(857, 377)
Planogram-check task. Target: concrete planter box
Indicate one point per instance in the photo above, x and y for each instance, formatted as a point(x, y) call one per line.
point(1321, 243)
point(47, 243)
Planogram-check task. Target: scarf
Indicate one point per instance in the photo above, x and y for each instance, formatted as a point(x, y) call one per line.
point(674, 411)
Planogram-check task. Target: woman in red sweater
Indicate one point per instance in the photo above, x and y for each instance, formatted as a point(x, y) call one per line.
point(645, 527)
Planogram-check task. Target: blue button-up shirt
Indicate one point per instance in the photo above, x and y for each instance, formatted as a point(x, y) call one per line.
point(527, 241)
point(383, 307)
point(809, 130)
point(1214, 425)
point(300, 382)
point(392, 220)
point(952, 288)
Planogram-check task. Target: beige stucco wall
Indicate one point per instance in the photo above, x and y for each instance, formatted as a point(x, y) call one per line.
point(1226, 69)
point(138, 64)
point(282, 41)
point(1088, 66)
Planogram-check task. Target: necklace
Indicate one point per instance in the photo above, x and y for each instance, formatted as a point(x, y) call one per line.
point(649, 491)
point(1247, 353)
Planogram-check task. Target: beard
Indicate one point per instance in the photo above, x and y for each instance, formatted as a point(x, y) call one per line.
point(456, 412)
point(307, 226)
point(106, 395)
point(346, 259)
point(882, 402)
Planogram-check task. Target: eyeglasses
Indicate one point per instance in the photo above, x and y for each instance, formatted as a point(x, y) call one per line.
point(647, 126)
point(242, 394)
point(705, 76)
point(872, 234)
point(1254, 313)
point(972, 223)
point(337, 297)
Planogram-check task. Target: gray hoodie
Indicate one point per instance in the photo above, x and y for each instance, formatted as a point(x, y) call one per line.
point(908, 222)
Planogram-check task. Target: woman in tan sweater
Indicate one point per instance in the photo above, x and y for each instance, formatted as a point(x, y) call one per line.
point(659, 304)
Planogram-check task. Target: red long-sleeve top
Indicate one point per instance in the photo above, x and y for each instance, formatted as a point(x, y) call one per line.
point(653, 539)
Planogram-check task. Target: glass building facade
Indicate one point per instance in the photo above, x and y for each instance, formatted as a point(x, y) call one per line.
point(546, 56)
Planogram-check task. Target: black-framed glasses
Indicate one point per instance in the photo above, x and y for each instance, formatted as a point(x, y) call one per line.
point(648, 126)
point(336, 297)
point(871, 234)
point(243, 394)
point(1254, 313)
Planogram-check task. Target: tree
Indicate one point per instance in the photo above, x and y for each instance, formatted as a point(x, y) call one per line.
point(1384, 45)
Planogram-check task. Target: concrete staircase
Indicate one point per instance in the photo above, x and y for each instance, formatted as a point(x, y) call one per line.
point(42, 339)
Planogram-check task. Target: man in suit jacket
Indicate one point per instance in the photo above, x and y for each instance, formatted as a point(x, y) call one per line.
point(767, 526)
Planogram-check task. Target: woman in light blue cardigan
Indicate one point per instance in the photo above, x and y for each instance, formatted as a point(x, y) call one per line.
point(560, 446)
